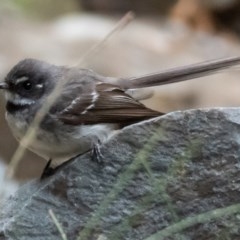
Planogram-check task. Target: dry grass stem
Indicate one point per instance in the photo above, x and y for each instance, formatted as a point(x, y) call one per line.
point(58, 225)
point(123, 22)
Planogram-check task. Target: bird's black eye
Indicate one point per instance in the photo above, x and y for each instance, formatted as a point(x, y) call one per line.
point(27, 85)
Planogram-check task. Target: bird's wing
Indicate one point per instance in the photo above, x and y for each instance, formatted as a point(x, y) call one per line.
point(106, 103)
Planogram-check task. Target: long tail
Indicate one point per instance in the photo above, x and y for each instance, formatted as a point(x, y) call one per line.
point(179, 74)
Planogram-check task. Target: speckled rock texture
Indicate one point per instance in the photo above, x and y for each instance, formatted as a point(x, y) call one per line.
point(172, 177)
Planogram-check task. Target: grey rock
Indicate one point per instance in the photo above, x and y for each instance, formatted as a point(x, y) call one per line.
point(164, 176)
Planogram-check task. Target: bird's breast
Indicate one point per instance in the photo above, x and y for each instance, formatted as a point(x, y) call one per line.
point(18, 125)
point(62, 141)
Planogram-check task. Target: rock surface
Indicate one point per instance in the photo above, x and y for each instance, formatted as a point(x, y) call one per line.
point(176, 176)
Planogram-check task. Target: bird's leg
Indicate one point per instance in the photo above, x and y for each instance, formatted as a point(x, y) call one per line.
point(96, 154)
point(48, 170)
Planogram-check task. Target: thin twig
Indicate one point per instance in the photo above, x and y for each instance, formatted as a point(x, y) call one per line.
point(123, 22)
point(57, 223)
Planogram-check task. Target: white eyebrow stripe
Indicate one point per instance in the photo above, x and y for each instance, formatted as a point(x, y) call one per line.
point(21, 79)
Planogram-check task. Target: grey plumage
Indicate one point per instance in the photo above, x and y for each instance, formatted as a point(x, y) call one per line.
point(88, 108)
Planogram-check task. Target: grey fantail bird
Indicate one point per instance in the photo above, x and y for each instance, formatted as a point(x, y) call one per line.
point(88, 108)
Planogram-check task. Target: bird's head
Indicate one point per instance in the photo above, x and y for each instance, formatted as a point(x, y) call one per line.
point(28, 82)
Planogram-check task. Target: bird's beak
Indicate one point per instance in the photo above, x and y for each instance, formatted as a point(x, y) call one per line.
point(3, 85)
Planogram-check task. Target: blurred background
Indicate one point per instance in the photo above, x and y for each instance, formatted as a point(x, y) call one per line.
point(163, 34)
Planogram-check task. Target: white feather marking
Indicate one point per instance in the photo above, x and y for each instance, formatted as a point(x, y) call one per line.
point(95, 96)
point(71, 106)
point(76, 101)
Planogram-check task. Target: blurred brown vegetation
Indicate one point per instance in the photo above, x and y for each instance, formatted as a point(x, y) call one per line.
point(138, 6)
point(209, 15)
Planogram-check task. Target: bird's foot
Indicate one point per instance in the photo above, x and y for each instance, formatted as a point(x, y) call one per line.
point(96, 154)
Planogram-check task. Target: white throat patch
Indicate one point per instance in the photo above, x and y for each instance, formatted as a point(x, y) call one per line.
point(18, 100)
